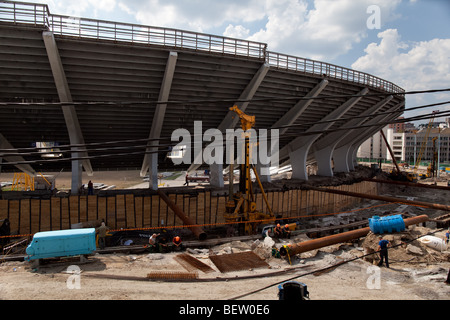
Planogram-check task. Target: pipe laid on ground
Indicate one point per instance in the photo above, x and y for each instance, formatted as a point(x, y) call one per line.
point(384, 198)
point(198, 232)
point(409, 184)
point(339, 238)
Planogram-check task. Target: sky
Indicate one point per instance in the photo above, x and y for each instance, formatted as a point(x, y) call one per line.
point(406, 42)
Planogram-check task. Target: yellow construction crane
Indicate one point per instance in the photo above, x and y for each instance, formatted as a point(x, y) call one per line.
point(242, 205)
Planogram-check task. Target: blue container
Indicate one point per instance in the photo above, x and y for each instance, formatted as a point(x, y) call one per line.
point(63, 243)
point(387, 224)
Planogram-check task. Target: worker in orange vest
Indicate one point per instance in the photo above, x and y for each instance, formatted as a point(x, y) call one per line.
point(177, 246)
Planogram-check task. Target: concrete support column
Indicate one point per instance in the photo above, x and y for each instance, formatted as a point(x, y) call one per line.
point(324, 149)
point(288, 119)
point(353, 156)
point(323, 158)
point(70, 116)
point(153, 171)
point(340, 157)
point(299, 147)
point(150, 162)
point(216, 175)
point(77, 176)
point(298, 162)
point(353, 151)
point(263, 172)
point(231, 120)
point(345, 153)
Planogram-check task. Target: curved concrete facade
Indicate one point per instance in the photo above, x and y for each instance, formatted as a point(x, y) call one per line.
point(47, 58)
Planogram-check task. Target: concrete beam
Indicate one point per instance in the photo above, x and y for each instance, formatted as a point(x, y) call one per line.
point(230, 121)
point(150, 162)
point(298, 149)
point(296, 111)
point(4, 144)
point(343, 153)
point(290, 117)
point(69, 112)
point(323, 150)
point(352, 160)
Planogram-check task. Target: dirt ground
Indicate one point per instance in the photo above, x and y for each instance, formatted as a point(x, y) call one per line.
point(411, 276)
point(104, 277)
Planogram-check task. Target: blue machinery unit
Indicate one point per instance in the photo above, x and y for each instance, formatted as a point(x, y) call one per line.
point(386, 224)
point(63, 243)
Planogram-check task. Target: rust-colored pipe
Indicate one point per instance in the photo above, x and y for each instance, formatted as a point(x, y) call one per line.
point(384, 198)
point(199, 233)
point(409, 184)
point(338, 238)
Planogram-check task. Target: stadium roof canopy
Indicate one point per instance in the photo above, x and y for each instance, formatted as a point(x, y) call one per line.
point(68, 81)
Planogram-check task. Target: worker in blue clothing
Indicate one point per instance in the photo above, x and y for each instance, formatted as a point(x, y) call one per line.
point(383, 248)
point(447, 236)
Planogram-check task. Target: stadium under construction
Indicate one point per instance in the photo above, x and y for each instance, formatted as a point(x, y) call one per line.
point(83, 95)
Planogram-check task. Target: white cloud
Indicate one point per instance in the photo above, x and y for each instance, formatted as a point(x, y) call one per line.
point(319, 29)
point(79, 8)
point(327, 30)
point(125, 8)
point(414, 66)
point(378, 56)
point(239, 32)
point(194, 15)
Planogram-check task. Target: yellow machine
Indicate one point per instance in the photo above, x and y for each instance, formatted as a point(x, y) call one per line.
point(242, 205)
point(22, 182)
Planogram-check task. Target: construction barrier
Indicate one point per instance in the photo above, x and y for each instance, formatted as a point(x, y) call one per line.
point(203, 207)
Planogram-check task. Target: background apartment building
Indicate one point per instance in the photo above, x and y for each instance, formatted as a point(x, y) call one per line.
point(409, 143)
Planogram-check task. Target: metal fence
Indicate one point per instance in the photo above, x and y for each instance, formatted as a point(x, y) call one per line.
point(308, 66)
point(39, 15)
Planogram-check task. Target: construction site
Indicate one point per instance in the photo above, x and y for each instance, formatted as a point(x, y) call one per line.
point(97, 202)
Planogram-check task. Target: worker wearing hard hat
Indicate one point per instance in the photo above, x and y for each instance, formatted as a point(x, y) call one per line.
point(176, 244)
point(278, 231)
point(286, 232)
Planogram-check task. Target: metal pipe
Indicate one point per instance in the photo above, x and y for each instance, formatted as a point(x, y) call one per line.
point(339, 238)
point(435, 206)
point(390, 151)
point(409, 184)
point(199, 233)
point(262, 191)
